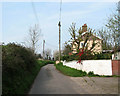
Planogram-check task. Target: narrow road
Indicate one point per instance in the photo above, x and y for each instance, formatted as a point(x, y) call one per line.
point(51, 81)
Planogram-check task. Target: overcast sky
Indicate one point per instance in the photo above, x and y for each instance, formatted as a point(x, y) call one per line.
point(17, 17)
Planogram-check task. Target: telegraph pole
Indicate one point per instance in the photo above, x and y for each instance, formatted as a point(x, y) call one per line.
point(59, 40)
point(59, 24)
point(43, 49)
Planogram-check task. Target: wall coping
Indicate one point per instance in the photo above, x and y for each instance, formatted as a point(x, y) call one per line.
point(116, 60)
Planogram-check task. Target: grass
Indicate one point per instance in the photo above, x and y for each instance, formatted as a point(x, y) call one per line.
point(70, 71)
point(77, 73)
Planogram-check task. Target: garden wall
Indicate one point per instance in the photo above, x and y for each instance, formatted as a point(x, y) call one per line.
point(116, 67)
point(100, 67)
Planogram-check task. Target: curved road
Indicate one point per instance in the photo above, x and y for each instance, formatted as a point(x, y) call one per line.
point(51, 81)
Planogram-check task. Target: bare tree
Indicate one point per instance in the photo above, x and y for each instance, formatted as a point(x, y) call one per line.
point(111, 33)
point(114, 34)
point(106, 39)
point(33, 37)
point(80, 35)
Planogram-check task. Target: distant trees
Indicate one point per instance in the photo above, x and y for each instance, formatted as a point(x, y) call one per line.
point(33, 37)
point(110, 33)
point(114, 34)
point(106, 39)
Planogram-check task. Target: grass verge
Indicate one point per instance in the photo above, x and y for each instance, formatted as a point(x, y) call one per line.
point(77, 73)
point(70, 71)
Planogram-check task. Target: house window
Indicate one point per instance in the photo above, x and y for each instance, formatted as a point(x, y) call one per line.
point(82, 44)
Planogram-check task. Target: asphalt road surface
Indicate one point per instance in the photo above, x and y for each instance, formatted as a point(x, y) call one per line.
point(51, 81)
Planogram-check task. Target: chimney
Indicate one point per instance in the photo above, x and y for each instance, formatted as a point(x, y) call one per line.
point(84, 28)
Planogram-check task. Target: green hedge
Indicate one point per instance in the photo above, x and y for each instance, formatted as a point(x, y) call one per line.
point(47, 62)
point(103, 56)
point(19, 69)
point(87, 57)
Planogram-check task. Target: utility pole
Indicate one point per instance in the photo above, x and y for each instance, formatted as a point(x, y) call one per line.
point(43, 49)
point(59, 40)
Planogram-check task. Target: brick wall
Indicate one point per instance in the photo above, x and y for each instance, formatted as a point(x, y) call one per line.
point(115, 67)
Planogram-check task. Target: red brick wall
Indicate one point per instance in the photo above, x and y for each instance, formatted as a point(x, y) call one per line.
point(115, 67)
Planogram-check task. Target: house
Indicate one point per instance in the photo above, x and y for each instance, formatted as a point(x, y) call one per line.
point(98, 46)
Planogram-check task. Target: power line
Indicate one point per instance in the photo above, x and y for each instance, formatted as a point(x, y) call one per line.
point(59, 24)
point(51, 45)
point(65, 35)
point(35, 13)
point(60, 10)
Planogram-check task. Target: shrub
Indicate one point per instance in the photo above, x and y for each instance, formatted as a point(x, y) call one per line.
point(17, 62)
point(15, 56)
point(91, 73)
point(103, 56)
point(87, 56)
point(69, 57)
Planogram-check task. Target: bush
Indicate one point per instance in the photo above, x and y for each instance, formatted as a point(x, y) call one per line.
point(19, 69)
point(47, 62)
point(103, 56)
point(69, 57)
point(86, 56)
point(18, 64)
point(90, 73)
point(14, 56)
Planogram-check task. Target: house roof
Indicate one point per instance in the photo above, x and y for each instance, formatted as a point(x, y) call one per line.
point(91, 37)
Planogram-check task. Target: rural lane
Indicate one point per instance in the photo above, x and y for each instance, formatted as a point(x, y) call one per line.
point(51, 81)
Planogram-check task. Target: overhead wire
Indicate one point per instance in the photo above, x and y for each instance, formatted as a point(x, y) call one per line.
point(63, 34)
point(35, 13)
point(51, 45)
point(60, 10)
